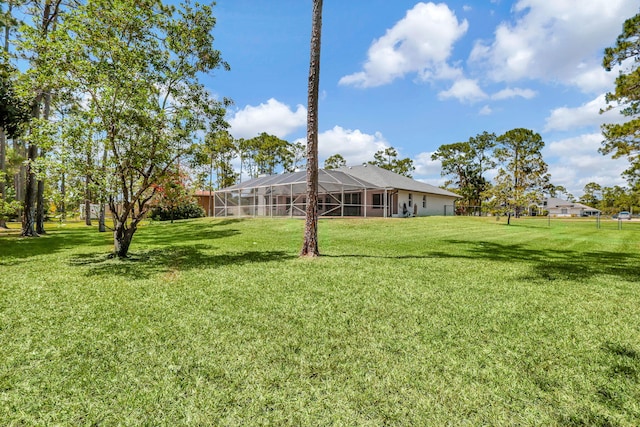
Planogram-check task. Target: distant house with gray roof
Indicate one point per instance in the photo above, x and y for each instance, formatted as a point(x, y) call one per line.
point(564, 208)
point(362, 191)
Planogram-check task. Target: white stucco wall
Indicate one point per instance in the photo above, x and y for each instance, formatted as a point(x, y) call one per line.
point(435, 205)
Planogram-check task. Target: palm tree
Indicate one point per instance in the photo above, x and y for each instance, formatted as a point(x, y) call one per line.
point(310, 245)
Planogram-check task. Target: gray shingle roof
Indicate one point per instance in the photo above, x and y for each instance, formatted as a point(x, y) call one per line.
point(384, 178)
point(555, 202)
point(324, 177)
point(365, 176)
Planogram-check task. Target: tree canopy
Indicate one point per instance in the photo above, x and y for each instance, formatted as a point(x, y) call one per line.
point(522, 174)
point(388, 159)
point(334, 162)
point(136, 66)
point(466, 163)
point(14, 110)
point(623, 140)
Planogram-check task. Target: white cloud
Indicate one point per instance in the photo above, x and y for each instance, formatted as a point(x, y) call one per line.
point(464, 90)
point(587, 115)
point(428, 170)
point(514, 92)
point(425, 166)
point(594, 78)
point(355, 146)
point(555, 41)
point(272, 117)
point(419, 43)
point(574, 162)
point(485, 111)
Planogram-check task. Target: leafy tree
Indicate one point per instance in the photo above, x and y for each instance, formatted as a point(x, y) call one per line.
point(298, 155)
point(79, 147)
point(388, 159)
point(34, 46)
point(310, 242)
point(466, 162)
point(623, 140)
point(220, 147)
point(616, 198)
point(242, 150)
point(173, 200)
point(36, 88)
point(10, 204)
point(334, 162)
point(268, 152)
point(556, 190)
point(523, 172)
point(13, 114)
point(14, 111)
point(137, 64)
point(590, 194)
point(559, 191)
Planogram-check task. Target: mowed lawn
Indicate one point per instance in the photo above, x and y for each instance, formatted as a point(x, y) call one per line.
point(423, 321)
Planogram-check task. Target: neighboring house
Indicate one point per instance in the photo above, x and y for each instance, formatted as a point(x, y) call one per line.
point(363, 191)
point(559, 207)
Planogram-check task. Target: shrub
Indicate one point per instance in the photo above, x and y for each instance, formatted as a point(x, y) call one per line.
point(184, 211)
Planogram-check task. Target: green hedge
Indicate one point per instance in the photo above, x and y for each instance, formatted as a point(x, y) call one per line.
point(192, 210)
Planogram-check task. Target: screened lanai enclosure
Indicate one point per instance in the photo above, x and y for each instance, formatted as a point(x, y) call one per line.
point(339, 194)
point(351, 191)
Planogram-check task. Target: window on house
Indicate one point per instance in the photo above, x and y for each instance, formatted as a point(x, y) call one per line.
point(424, 201)
point(377, 201)
point(352, 199)
point(410, 199)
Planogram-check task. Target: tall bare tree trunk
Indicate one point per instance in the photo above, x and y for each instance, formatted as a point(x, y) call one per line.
point(310, 244)
point(40, 202)
point(19, 176)
point(102, 227)
point(30, 190)
point(63, 196)
point(211, 186)
point(31, 184)
point(3, 135)
point(40, 205)
point(87, 189)
point(49, 15)
point(87, 205)
point(3, 170)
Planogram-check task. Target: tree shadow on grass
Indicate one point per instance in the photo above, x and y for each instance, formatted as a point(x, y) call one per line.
point(552, 264)
point(621, 367)
point(166, 233)
point(182, 258)
point(15, 249)
point(547, 265)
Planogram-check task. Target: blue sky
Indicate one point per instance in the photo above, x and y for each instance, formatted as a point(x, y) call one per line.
point(416, 75)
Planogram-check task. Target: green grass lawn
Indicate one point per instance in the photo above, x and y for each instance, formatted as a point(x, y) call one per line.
point(423, 321)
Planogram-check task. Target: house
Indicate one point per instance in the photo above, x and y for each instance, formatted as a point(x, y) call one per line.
point(563, 208)
point(362, 191)
point(419, 198)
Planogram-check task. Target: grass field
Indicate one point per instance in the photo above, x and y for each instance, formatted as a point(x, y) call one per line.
point(423, 321)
